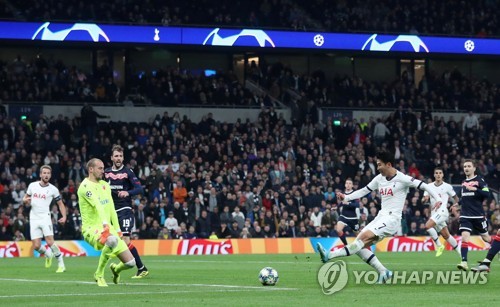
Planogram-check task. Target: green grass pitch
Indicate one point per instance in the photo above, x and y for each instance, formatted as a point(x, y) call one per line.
point(231, 280)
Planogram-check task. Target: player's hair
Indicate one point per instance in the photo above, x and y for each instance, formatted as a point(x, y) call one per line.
point(439, 168)
point(385, 157)
point(349, 179)
point(471, 161)
point(45, 166)
point(116, 147)
point(92, 163)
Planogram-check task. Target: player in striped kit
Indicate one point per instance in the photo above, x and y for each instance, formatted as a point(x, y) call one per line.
point(348, 216)
point(472, 217)
point(124, 185)
point(40, 195)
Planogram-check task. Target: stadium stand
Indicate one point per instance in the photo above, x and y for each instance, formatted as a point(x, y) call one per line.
point(236, 165)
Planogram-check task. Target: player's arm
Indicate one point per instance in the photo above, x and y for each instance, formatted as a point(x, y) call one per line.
point(26, 198)
point(373, 185)
point(354, 195)
point(483, 190)
point(135, 183)
point(62, 209)
point(424, 187)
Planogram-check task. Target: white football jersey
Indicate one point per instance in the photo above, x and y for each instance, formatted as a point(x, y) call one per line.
point(41, 198)
point(445, 191)
point(392, 192)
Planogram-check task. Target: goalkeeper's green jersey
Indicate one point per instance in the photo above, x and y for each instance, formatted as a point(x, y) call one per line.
point(96, 204)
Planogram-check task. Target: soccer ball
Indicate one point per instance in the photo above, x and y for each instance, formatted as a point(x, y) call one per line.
point(268, 276)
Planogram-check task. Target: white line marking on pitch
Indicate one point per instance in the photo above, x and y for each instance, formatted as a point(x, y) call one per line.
point(280, 262)
point(227, 287)
point(117, 293)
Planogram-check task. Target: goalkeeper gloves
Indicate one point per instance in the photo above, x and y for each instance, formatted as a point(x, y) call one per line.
point(104, 234)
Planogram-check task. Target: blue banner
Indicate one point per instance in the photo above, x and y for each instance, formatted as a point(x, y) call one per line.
point(104, 33)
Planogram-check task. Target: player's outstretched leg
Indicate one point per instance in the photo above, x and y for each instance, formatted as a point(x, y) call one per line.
point(484, 266)
point(369, 257)
point(322, 253)
point(142, 271)
point(347, 250)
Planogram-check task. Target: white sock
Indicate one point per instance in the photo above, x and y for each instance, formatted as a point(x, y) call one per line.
point(47, 251)
point(433, 233)
point(348, 250)
point(454, 245)
point(42, 250)
point(57, 254)
point(371, 259)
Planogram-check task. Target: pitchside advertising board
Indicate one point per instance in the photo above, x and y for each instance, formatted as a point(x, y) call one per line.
point(234, 246)
point(258, 38)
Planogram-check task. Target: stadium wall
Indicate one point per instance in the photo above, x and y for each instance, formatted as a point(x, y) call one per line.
point(234, 246)
point(146, 114)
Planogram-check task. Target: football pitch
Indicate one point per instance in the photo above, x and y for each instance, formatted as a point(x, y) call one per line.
point(232, 280)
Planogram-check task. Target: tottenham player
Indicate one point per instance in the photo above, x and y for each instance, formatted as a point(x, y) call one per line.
point(348, 216)
point(124, 184)
point(393, 187)
point(474, 191)
point(40, 195)
point(439, 217)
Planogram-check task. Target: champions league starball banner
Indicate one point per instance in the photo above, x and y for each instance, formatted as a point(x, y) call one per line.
point(256, 38)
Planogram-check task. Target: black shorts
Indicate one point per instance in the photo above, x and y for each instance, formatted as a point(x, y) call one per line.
point(353, 224)
point(126, 220)
point(470, 224)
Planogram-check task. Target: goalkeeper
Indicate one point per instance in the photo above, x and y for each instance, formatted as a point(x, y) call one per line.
point(100, 223)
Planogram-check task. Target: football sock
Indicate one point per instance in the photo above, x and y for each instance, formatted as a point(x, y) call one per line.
point(494, 249)
point(454, 244)
point(57, 254)
point(124, 266)
point(464, 250)
point(371, 259)
point(137, 258)
point(342, 237)
point(43, 251)
point(103, 260)
point(348, 250)
point(432, 232)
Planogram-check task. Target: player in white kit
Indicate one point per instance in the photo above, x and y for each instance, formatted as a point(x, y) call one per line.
point(392, 186)
point(40, 195)
point(439, 217)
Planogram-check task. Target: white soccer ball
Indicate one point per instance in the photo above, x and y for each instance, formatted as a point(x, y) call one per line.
point(268, 276)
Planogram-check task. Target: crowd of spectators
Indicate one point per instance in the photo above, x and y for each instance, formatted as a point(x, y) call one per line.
point(451, 90)
point(263, 13)
point(268, 178)
point(464, 18)
point(49, 79)
point(449, 17)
